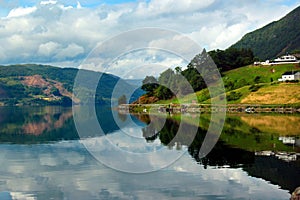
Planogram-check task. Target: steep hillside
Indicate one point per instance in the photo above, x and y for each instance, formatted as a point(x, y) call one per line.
point(274, 39)
point(46, 85)
point(251, 74)
point(253, 85)
point(259, 85)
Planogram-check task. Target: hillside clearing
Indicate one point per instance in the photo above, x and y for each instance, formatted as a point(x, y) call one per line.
point(284, 93)
point(246, 75)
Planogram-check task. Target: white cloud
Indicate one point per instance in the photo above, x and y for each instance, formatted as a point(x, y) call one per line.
point(48, 2)
point(71, 51)
point(54, 32)
point(235, 31)
point(223, 35)
point(48, 49)
point(148, 61)
point(158, 7)
point(17, 12)
point(179, 44)
point(78, 5)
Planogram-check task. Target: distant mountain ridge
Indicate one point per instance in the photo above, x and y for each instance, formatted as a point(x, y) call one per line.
point(33, 84)
point(275, 39)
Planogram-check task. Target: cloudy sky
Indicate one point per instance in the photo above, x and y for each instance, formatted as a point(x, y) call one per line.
point(63, 33)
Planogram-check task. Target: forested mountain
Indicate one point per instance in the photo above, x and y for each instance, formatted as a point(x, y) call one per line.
point(232, 58)
point(47, 85)
point(275, 39)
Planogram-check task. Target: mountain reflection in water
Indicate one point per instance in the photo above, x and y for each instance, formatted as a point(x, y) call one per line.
point(250, 159)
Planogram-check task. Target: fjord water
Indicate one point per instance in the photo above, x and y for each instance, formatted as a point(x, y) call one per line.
point(42, 157)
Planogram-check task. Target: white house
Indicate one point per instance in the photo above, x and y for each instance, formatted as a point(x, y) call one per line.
point(290, 76)
point(287, 59)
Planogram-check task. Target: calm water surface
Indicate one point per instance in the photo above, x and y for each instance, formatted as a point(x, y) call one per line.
point(42, 157)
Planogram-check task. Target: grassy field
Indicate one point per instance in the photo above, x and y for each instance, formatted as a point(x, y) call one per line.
point(266, 73)
point(269, 90)
point(239, 81)
point(283, 93)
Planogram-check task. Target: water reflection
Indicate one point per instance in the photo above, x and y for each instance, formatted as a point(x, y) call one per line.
point(252, 159)
point(66, 171)
point(30, 125)
point(36, 124)
point(249, 144)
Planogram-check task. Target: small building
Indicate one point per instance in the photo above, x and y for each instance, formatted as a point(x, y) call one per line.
point(287, 59)
point(290, 76)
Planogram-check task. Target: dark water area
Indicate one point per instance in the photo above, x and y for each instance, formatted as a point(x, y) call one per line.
point(43, 156)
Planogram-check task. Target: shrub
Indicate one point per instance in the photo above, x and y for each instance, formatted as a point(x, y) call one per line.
point(257, 79)
point(234, 96)
point(254, 88)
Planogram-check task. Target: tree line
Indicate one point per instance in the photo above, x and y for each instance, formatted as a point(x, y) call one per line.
point(178, 82)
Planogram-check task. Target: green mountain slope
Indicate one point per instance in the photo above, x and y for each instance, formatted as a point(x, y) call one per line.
point(47, 85)
point(253, 85)
point(259, 85)
point(274, 39)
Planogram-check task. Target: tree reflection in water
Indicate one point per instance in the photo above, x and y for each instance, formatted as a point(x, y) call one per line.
point(236, 147)
point(221, 155)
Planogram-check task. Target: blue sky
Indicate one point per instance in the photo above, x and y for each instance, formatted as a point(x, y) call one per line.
point(6, 5)
point(88, 3)
point(288, 2)
point(63, 33)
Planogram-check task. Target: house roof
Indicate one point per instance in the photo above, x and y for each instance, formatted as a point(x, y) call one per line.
point(290, 73)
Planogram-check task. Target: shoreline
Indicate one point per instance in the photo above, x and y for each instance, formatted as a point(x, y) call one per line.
point(208, 108)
